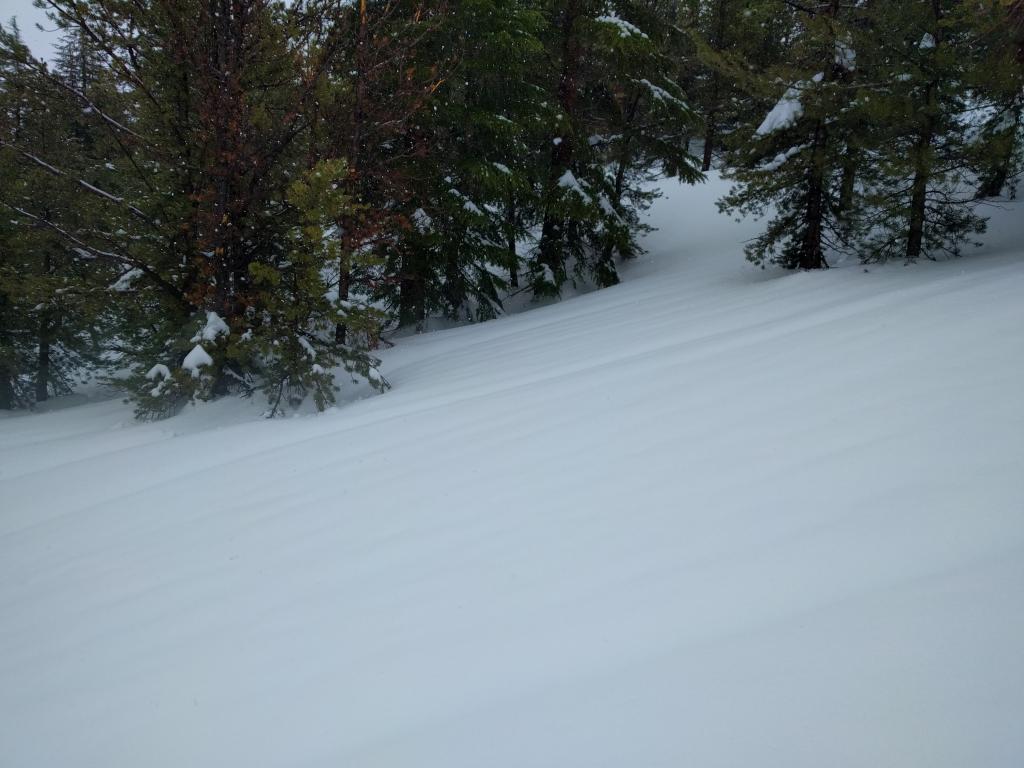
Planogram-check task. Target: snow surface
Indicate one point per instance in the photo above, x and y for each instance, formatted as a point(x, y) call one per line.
point(710, 517)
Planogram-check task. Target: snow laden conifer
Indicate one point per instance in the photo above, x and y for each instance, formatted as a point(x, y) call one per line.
point(290, 337)
point(621, 116)
point(54, 306)
point(639, 133)
point(995, 80)
point(730, 45)
point(284, 343)
point(220, 279)
point(922, 174)
point(385, 77)
point(475, 182)
point(800, 159)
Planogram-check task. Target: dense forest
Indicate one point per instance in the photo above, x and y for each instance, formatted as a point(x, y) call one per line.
point(211, 197)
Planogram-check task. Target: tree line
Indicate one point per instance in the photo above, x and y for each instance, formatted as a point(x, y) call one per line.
point(203, 197)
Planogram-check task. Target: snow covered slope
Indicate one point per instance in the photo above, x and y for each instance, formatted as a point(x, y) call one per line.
point(710, 517)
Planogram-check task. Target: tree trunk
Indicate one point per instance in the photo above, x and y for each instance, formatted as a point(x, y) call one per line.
point(349, 241)
point(606, 272)
point(412, 300)
point(848, 183)
point(919, 196)
point(717, 43)
point(510, 234)
point(709, 144)
point(552, 239)
point(6, 391)
point(922, 156)
point(811, 253)
point(344, 286)
point(995, 179)
point(43, 360)
point(6, 374)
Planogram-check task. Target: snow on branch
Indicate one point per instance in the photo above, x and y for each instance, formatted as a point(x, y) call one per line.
point(624, 28)
point(81, 182)
point(788, 110)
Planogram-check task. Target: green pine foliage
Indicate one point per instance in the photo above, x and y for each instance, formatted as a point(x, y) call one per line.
point(730, 46)
point(53, 307)
point(798, 161)
point(214, 197)
point(622, 119)
point(886, 150)
point(922, 175)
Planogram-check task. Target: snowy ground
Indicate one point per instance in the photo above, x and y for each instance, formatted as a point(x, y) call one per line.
point(710, 517)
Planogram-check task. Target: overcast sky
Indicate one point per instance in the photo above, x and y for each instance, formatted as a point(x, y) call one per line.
point(40, 42)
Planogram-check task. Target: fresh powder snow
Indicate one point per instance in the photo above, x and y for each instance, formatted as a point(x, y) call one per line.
point(624, 28)
point(713, 516)
point(787, 110)
point(214, 328)
point(196, 359)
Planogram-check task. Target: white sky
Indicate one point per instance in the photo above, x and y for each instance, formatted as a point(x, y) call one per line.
point(41, 42)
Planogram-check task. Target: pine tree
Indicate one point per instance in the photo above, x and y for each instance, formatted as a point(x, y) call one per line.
point(996, 79)
point(613, 74)
point(53, 303)
point(479, 175)
point(379, 87)
point(439, 247)
point(215, 100)
point(639, 130)
point(921, 177)
point(797, 159)
point(735, 42)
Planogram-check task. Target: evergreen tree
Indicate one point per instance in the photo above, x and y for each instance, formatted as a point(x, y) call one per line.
point(736, 42)
point(996, 79)
point(239, 195)
point(216, 102)
point(380, 85)
point(612, 73)
point(475, 194)
point(639, 128)
point(53, 309)
point(922, 174)
point(799, 159)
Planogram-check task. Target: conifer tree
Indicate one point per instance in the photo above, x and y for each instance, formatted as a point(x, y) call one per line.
point(922, 176)
point(639, 130)
point(379, 86)
point(472, 181)
point(996, 80)
point(53, 306)
point(216, 103)
point(612, 73)
point(796, 159)
point(736, 41)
